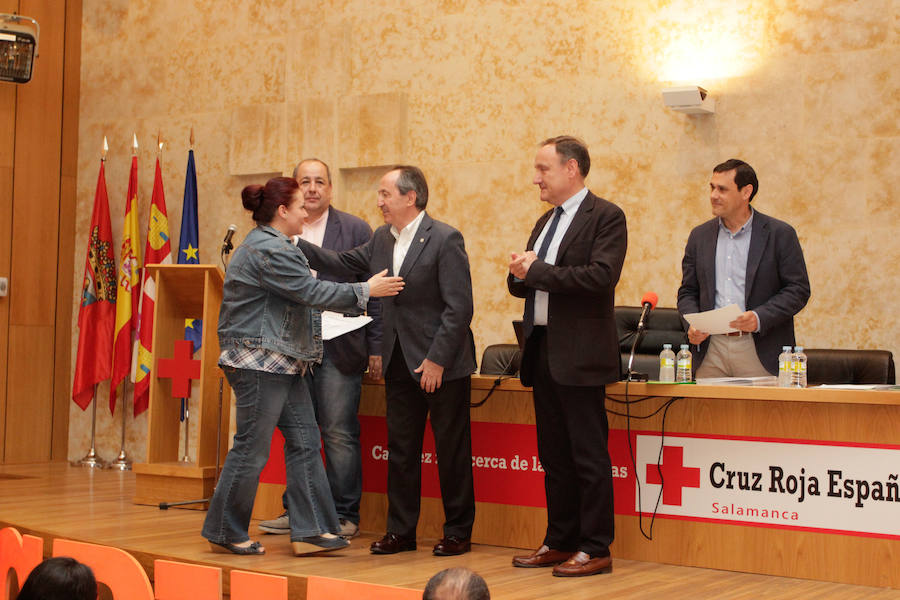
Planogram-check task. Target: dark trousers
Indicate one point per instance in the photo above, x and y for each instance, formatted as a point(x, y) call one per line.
point(572, 434)
point(408, 407)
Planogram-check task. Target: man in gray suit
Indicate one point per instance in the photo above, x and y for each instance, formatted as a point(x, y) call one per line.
point(428, 356)
point(746, 258)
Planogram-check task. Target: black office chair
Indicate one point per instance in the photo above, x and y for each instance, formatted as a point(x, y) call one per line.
point(501, 359)
point(835, 366)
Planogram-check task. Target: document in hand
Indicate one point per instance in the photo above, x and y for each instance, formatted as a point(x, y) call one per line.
point(335, 324)
point(714, 321)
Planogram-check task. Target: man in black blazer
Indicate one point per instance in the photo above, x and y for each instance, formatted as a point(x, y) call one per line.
point(750, 259)
point(428, 356)
point(568, 277)
point(336, 384)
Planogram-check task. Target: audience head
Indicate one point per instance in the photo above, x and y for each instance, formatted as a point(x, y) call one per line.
point(744, 174)
point(457, 583)
point(60, 578)
point(263, 200)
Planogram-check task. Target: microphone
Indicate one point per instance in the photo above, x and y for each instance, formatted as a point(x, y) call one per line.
point(649, 303)
point(226, 243)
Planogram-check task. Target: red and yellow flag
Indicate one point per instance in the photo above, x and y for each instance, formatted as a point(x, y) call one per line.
point(129, 289)
point(157, 250)
point(97, 314)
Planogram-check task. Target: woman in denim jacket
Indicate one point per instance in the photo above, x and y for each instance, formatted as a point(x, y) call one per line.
point(270, 332)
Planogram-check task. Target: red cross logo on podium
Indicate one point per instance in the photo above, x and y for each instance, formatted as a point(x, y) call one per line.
point(180, 369)
point(675, 475)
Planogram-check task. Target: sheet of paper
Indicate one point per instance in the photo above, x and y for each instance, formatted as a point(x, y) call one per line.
point(766, 380)
point(715, 321)
point(335, 324)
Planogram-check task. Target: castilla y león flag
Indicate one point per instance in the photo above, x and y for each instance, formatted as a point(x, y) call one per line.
point(158, 250)
point(97, 313)
point(128, 292)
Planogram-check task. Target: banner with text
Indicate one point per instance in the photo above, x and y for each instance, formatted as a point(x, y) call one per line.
point(835, 487)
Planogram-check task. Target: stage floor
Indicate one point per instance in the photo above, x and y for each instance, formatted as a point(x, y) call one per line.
point(55, 500)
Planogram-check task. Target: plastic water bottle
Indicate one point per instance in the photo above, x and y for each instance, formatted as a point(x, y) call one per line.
point(784, 367)
point(798, 368)
point(667, 364)
point(683, 365)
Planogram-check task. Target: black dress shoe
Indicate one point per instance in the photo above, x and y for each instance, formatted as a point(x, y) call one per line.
point(392, 544)
point(452, 545)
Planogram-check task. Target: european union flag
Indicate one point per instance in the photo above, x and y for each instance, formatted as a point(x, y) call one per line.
point(188, 243)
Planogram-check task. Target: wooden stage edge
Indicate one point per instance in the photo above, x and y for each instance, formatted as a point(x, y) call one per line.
point(58, 501)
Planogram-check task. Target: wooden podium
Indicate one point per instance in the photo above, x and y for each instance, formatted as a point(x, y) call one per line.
point(184, 292)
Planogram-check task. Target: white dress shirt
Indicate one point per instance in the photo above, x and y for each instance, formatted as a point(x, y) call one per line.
point(570, 207)
point(314, 232)
point(404, 240)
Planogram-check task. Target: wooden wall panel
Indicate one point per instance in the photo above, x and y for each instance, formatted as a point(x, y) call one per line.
point(36, 179)
point(37, 217)
point(7, 160)
point(30, 409)
point(62, 372)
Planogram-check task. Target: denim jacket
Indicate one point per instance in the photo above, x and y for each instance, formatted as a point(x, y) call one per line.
point(272, 301)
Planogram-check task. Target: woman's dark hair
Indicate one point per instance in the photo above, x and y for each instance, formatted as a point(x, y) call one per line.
point(264, 201)
point(60, 578)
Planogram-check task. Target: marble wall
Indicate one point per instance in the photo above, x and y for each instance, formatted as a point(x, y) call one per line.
point(807, 91)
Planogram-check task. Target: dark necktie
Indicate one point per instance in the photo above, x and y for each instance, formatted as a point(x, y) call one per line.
point(545, 244)
point(542, 253)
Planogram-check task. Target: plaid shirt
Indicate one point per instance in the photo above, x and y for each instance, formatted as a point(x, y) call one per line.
point(261, 359)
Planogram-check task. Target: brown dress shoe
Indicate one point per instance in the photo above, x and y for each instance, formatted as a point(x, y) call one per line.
point(392, 544)
point(542, 557)
point(581, 564)
point(452, 545)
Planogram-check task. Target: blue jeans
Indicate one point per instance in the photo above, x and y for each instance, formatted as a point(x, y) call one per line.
point(335, 397)
point(265, 400)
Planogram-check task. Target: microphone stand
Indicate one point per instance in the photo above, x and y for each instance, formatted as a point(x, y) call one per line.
point(631, 375)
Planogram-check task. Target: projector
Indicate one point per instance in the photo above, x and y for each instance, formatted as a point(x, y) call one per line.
point(18, 47)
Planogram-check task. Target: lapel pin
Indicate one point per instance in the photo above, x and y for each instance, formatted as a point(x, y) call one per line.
point(421, 240)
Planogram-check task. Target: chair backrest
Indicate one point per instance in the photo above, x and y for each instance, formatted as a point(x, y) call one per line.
point(327, 588)
point(849, 366)
point(500, 359)
point(662, 326)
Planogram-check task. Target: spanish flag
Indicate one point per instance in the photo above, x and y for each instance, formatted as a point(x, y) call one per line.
point(128, 291)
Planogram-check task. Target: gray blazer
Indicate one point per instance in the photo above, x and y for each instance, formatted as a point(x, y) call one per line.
point(777, 285)
point(431, 316)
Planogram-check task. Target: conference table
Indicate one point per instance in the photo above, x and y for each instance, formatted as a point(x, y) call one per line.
point(791, 482)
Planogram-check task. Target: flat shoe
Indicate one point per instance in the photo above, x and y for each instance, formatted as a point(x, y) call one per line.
point(254, 548)
point(318, 543)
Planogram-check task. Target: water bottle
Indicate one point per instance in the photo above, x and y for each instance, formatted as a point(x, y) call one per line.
point(667, 364)
point(798, 368)
point(683, 365)
point(784, 367)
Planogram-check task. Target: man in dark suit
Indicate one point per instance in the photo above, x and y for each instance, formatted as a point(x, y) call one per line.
point(335, 385)
point(428, 355)
point(571, 352)
point(746, 258)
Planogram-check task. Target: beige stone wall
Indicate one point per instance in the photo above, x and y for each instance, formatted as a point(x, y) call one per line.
point(808, 92)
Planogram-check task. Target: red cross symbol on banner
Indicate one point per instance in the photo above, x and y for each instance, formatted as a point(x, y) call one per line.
point(180, 369)
point(675, 475)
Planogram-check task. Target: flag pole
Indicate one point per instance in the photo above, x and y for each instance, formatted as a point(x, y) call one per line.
point(122, 463)
point(187, 427)
point(91, 459)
